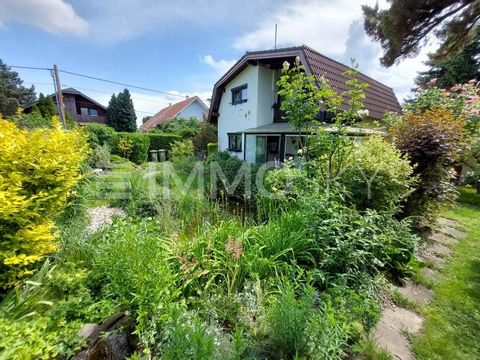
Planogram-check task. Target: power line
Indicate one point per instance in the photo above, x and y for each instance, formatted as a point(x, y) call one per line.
point(120, 83)
point(99, 79)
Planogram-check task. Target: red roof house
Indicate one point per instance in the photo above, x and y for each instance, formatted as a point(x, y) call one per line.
point(190, 107)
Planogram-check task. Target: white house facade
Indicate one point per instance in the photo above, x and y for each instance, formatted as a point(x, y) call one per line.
point(246, 106)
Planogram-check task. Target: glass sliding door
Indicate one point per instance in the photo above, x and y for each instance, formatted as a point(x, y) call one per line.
point(261, 149)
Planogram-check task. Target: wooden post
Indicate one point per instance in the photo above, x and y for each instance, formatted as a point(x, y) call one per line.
point(60, 103)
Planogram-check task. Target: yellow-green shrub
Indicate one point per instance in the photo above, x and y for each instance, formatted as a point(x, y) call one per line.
point(38, 170)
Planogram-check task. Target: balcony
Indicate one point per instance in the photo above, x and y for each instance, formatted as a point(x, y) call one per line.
point(87, 119)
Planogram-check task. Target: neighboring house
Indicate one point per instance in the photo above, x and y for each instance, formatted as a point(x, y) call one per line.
point(190, 107)
point(83, 109)
point(246, 105)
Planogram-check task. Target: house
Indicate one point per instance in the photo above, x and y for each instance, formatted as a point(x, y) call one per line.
point(190, 107)
point(83, 109)
point(246, 106)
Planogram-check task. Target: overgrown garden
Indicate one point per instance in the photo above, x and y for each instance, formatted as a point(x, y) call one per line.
point(216, 258)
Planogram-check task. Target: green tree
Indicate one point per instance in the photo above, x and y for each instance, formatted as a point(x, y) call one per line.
point(402, 29)
point(457, 70)
point(121, 113)
point(12, 92)
point(46, 106)
point(185, 127)
point(146, 118)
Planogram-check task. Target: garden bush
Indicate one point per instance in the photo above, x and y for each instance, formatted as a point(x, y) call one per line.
point(432, 141)
point(379, 177)
point(184, 127)
point(206, 134)
point(100, 135)
point(137, 148)
point(212, 148)
point(38, 171)
point(100, 157)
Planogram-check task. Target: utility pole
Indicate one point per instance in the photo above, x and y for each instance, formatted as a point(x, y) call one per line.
point(58, 90)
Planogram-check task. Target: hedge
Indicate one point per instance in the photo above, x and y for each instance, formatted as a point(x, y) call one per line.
point(140, 145)
point(99, 135)
point(159, 141)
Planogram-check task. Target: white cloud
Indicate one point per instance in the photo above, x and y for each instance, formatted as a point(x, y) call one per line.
point(220, 66)
point(54, 16)
point(322, 25)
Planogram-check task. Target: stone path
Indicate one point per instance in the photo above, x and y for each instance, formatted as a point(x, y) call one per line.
point(102, 216)
point(396, 323)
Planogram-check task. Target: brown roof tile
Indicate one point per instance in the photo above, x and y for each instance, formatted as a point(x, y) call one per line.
point(379, 98)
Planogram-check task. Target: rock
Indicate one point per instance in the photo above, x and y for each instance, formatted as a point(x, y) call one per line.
point(429, 274)
point(448, 222)
point(443, 239)
point(389, 331)
point(439, 250)
point(415, 293)
point(87, 330)
point(457, 234)
point(118, 343)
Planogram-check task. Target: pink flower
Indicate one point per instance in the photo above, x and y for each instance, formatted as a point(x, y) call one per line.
point(473, 81)
point(432, 81)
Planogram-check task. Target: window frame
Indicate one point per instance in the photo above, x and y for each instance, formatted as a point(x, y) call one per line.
point(91, 110)
point(237, 147)
point(239, 89)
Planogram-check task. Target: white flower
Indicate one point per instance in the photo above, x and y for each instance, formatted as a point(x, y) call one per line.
point(363, 112)
point(300, 152)
point(286, 64)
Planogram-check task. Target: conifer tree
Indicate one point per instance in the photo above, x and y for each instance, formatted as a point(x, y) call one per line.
point(121, 113)
point(46, 106)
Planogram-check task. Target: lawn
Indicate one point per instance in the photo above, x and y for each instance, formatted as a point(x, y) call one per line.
point(452, 324)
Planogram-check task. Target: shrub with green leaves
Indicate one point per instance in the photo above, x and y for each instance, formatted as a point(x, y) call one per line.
point(432, 141)
point(140, 144)
point(379, 176)
point(100, 135)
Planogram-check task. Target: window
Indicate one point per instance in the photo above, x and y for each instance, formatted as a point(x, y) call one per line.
point(235, 142)
point(239, 94)
point(84, 111)
point(92, 112)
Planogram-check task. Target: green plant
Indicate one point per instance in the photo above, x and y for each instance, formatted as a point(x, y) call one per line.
point(100, 157)
point(100, 135)
point(184, 127)
point(182, 149)
point(206, 134)
point(133, 146)
point(39, 171)
point(288, 321)
point(212, 148)
point(379, 177)
point(121, 113)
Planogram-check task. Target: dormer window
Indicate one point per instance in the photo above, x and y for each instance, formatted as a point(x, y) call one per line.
point(239, 94)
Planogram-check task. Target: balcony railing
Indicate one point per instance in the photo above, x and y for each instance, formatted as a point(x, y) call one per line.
point(89, 119)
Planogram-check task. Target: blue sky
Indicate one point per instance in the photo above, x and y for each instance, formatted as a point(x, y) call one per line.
point(179, 46)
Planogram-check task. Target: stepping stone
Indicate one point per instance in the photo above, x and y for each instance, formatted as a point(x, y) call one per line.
point(443, 239)
point(431, 259)
point(448, 222)
point(415, 293)
point(389, 331)
point(429, 274)
point(439, 250)
point(457, 234)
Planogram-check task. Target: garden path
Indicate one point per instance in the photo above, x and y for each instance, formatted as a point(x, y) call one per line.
point(397, 324)
point(101, 216)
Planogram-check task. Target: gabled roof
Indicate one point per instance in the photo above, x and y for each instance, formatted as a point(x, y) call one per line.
point(170, 112)
point(70, 91)
point(379, 98)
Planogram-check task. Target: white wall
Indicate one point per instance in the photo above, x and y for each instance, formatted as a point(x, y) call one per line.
point(236, 118)
point(193, 110)
point(266, 96)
